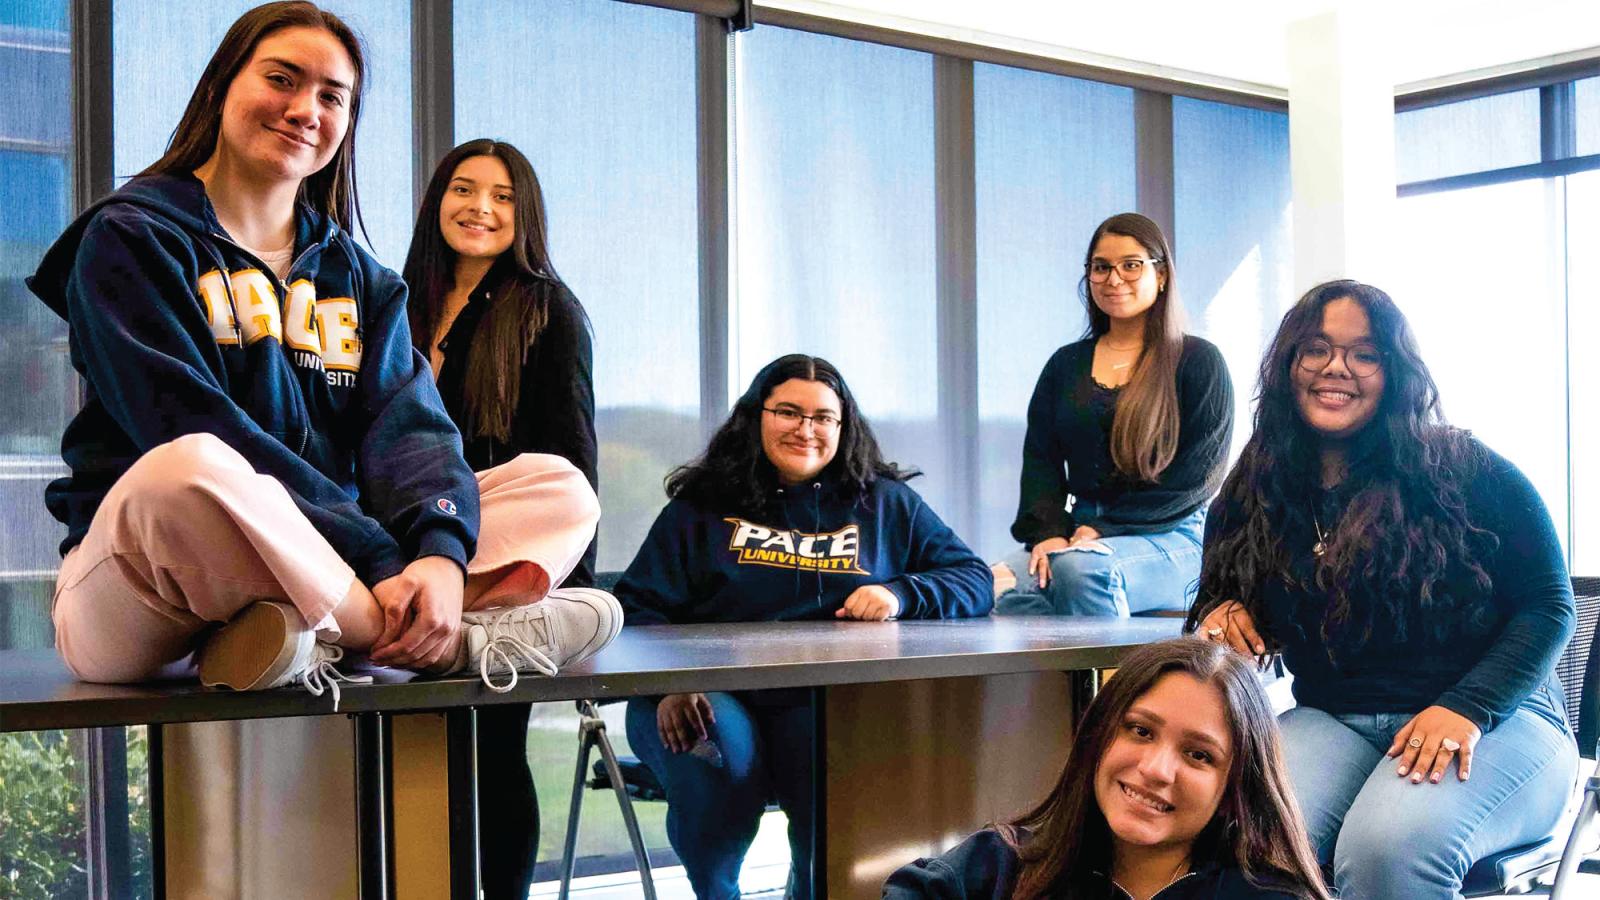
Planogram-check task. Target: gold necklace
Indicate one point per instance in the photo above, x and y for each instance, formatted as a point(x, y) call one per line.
point(1320, 547)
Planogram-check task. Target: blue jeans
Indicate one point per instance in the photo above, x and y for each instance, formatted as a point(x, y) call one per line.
point(1140, 573)
point(715, 799)
point(1389, 839)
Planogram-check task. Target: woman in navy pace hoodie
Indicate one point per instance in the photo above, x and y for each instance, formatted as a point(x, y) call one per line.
point(792, 513)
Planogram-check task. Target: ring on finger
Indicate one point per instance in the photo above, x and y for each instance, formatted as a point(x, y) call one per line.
point(1449, 745)
point(1213, 633)
point(1415, 743)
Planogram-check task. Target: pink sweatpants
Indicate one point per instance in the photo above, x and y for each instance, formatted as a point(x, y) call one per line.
point(191, 534)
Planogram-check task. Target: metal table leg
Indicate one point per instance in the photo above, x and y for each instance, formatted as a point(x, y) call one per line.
point(375, 867)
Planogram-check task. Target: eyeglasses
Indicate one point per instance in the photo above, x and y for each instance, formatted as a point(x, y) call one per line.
point(790, 419)
point(1130, 269)
point(1361, 358)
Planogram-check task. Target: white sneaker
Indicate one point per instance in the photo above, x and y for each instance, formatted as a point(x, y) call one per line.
point(568, 626)
point(267, 645)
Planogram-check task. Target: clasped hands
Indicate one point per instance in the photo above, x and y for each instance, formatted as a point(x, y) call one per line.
point(421, 614)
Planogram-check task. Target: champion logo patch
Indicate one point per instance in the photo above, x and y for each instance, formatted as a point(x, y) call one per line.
point(446, 507)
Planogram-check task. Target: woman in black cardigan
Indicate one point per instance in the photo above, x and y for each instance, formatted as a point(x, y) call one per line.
point(1127, 436)
point(511, 350)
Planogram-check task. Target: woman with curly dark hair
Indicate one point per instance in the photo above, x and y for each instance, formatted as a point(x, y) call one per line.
point(1414, 584)
point(1174, 788)
point(791, 513)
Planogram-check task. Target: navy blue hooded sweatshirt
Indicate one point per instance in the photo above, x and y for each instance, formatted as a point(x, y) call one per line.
point(313, 379)
point(801, 559)
point(700, 565)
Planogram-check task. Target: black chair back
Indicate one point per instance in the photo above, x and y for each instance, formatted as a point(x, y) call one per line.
point(1579, 666)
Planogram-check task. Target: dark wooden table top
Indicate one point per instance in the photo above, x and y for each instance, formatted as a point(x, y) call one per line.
point(37, 692)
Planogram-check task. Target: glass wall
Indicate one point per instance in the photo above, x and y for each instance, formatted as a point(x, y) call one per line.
point(601, 98)
point(1503, 282)
point(1055, 157)
point(833, 182)
point(1490, 314)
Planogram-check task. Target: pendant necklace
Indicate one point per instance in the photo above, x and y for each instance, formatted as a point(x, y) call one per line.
point(1320, 546)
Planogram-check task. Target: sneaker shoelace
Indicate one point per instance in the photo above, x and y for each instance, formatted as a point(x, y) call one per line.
point(323, 676)
point(504, 647)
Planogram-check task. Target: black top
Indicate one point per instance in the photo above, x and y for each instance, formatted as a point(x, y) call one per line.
point(1482, 670)
point(555, 403)
point(985, 867)
point(1068, 449)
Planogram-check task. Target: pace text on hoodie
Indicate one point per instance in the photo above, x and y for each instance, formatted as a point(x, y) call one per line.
point(313, 379)
point(803, 559)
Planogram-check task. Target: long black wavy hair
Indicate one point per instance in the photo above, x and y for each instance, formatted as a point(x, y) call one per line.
point(734, 474)
point(1404, 531)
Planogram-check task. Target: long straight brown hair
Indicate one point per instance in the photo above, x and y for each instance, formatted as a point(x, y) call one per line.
point(1257, 826)
point(332, 189)
point(1144, 431)
point(519, 311)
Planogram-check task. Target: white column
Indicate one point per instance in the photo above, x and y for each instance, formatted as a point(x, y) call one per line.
point(1341, 148)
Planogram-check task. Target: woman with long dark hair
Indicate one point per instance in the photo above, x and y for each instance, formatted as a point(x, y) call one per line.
point(510, 347)
point(260, 447)
point(1174, 789)
point(1415, 586)
point(1127, 437)
point(791, 513)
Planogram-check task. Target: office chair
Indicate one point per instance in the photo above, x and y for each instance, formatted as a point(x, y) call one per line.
point(1527, 869)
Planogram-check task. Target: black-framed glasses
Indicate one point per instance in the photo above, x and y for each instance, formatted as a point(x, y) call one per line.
point(1130, 269)
point(1362, 358)
point(791, 419)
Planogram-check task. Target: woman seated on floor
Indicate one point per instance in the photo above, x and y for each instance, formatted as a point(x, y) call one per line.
point(1174, 789)
point(791, 513)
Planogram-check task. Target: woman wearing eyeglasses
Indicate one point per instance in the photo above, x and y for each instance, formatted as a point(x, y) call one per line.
point(1414, 584)
point(791, 513)
point(1127, 437)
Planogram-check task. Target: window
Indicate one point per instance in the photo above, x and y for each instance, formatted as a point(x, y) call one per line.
point(1055, 157)
point(834, 187)
point(1235, 256)
point(1587, 96)
point(1583, 327)
point(1491, 132)
point(1488, 303)
point(601, 99)
point(1501, 308)
point(36, 196)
